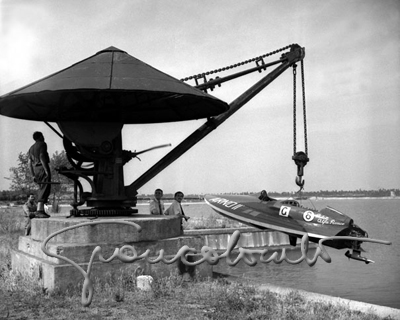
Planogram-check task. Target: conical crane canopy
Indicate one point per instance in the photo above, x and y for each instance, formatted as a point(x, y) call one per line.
point(110, 86)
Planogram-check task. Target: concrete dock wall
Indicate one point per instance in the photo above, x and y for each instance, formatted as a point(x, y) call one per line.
point(157, 234)
point(249, 237)
point(380, 311)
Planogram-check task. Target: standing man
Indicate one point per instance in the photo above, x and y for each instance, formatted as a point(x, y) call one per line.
point(176, 207)
point(156, 204)
point(29, 210)
point(39, 166)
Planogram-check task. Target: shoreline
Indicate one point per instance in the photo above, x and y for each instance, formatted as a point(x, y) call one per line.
point(353, 198)
point(381, 311)
point(4, 204)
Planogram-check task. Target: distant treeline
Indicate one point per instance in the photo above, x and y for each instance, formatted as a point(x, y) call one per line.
point(322, 193)
point(336, 193)
point(9, 195)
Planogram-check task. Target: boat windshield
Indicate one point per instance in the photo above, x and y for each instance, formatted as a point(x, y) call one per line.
point(291, 203)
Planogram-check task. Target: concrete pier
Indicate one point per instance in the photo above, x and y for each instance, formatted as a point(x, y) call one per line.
point(78, 244)
point(380, 311)
point(158, 232)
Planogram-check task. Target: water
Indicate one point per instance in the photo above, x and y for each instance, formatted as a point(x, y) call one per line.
point(376, 283)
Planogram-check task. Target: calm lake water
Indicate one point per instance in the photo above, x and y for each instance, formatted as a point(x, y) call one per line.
point(377, 283)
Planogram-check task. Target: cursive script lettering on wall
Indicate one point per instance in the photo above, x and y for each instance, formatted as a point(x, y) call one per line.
point(208, 254)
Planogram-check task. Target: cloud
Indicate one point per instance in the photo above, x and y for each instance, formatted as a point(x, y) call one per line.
point(17, 60)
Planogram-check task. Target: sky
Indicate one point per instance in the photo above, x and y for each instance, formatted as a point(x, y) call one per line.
point(352, 81)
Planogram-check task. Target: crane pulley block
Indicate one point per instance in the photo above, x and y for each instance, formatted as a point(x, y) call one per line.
point(300, 159)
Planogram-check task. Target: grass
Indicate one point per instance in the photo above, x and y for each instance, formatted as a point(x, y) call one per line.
point(173, 297)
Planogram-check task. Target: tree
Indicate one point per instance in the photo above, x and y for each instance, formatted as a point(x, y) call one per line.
point(22, 179)
point(59, 160)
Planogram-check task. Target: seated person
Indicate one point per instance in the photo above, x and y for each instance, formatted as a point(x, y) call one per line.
point(264, 196)
point(29, 211)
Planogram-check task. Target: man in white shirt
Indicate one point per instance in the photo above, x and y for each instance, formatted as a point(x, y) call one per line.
point(156, 204)
point(176, 207)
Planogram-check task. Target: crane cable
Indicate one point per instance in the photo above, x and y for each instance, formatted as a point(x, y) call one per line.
point(300, 158)
point(258, 60)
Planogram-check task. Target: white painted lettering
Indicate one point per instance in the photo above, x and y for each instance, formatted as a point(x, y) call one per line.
point(284, 211)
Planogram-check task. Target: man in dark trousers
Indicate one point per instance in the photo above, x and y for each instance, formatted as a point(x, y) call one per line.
point(176, 208)
point(39, 166)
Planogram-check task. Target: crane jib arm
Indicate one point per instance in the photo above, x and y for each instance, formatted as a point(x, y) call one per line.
point(296, 54)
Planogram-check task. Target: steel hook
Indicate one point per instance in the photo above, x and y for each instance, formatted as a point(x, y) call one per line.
point(300, 181)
